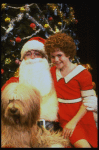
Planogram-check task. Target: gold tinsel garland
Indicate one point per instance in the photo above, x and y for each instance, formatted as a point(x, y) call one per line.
point(16, 74)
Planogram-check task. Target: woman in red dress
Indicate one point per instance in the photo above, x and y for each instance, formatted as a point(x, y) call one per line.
point(73, 84)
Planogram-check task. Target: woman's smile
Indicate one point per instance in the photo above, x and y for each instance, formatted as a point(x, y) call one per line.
point(59, 59)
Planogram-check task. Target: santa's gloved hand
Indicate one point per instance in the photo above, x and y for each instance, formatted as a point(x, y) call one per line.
point(91, 103)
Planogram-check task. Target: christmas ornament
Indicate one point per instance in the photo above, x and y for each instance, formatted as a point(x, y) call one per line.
point(22, 9)
point(60, 23)
point(7, 19)
point(18, 39)
point(2, 71)
point(36, 22)
point(50, 18)
point(32, 25)
point(46, 26)
point(16, 74)
point(3, 5)
point(7, 61)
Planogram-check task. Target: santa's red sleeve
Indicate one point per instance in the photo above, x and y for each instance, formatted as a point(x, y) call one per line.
point(12, 79)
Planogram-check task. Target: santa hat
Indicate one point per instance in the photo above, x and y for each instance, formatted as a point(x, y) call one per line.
point(35, 43)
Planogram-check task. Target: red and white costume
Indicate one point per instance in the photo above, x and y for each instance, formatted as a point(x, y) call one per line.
point(11, 80)
point(71, 90)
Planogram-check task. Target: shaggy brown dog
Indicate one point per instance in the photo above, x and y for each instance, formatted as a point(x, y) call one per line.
point(20, 110)
point(20, 107)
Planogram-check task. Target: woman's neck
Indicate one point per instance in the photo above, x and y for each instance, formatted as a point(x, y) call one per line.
point(67, 69)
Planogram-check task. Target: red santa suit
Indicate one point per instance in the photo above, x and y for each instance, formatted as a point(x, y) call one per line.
point(71, 91)
point(12, 79)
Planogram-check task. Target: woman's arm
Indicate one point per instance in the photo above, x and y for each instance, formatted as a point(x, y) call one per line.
point(70, 126)
point(82, 111)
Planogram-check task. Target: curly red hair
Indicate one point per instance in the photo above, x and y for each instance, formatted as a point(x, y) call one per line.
point(61, 41)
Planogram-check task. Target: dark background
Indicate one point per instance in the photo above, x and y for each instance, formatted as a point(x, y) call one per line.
point(87, 32)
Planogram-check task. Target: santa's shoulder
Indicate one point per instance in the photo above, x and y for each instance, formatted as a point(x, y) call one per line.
point(12, 79)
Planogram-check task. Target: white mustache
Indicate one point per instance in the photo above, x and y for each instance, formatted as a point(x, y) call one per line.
point(32, 61)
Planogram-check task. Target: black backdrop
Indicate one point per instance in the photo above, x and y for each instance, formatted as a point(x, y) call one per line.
point(87, 32)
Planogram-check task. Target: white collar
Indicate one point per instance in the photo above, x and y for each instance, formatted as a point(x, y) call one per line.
point(73, 73)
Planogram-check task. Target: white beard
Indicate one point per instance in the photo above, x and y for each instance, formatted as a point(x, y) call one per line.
point(37, 73)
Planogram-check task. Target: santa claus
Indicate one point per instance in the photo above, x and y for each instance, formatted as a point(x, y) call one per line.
point(34, 70)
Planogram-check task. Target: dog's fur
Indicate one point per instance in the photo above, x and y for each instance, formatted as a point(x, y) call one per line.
point(16, 126)
point(20, 110)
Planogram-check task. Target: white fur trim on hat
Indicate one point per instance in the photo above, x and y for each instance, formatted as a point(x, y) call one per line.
point(32, 45)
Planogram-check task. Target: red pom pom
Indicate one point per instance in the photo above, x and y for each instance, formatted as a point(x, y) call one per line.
point(18, 39)
point(32, 25)
point(2, 71)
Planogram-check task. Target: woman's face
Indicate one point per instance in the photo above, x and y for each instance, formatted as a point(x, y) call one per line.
point(59, 59)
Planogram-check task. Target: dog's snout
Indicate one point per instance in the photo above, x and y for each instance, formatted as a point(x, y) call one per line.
point(13, 110)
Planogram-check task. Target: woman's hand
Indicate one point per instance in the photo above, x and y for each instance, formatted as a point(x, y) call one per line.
point(70, 126)
point(68, 129)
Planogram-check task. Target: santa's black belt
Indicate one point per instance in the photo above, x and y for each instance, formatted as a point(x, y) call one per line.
point(46, 124)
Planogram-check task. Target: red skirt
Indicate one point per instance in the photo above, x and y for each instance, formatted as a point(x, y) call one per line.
point(85, 129)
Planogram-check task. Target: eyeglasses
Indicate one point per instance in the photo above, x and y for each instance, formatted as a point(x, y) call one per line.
point(34, 53)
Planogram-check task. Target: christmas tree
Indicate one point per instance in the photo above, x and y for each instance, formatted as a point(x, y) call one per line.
point(20, 22)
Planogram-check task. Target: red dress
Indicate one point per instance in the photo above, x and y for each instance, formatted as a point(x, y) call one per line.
point(70, 92)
